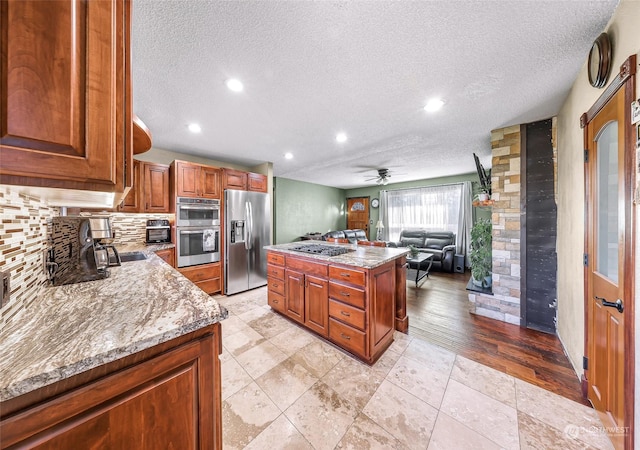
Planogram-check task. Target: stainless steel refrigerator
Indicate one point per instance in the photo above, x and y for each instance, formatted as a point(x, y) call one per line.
point(247, 230)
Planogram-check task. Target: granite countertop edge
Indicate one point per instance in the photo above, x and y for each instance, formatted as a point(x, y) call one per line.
point(362, 256)
point(199, 311)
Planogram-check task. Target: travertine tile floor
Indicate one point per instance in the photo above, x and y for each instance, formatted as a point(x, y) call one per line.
point(283, 387)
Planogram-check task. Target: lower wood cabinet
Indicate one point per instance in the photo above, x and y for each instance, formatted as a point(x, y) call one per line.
point(168, 396)
point(352, 307)
point(168, 255)
point(205, 276)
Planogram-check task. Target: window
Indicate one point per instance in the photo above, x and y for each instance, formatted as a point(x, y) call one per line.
point(432, 208)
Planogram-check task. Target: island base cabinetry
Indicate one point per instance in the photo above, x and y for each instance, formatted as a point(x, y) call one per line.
point(352, 307)
point(168, 396)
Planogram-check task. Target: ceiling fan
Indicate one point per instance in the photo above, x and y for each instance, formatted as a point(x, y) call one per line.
point(382, 178)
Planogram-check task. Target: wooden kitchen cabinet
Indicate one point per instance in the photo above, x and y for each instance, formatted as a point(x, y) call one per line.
point(66, 95)
point(155, 188)
point(167, 255)
point(234, 179)
point(167, 396)
point(256, 182)
point(195, 180)
point(150, 191)
point(353, 307)
point(205, 276)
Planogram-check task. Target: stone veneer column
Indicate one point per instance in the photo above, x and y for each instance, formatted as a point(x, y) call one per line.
point(504, 304)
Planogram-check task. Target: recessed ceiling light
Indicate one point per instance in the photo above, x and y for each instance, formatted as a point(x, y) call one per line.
point(341, 137)
point(235, 85)
point(288, 155)
point(195, 128)
point(433, 105)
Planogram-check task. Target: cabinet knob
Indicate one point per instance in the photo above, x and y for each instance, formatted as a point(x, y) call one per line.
point(275, 301)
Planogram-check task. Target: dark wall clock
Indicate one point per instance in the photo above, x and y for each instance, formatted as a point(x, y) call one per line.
point(599, 65)
point(375, 203)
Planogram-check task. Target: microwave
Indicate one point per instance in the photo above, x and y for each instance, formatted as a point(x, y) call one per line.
point(158, 231)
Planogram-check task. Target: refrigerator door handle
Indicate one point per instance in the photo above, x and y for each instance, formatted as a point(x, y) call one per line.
point(250, 220)
point(245, 230)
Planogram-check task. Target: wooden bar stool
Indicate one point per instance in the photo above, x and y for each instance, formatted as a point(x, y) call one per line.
point(338, 240)
point(373, 243)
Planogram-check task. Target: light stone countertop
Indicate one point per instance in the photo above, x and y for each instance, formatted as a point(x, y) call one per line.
point(362, 256)
point(70, 329)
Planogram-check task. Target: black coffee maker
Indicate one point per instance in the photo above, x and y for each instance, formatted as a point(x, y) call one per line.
point(80, 249)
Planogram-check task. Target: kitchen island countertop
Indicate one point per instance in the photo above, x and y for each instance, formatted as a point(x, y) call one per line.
point(70, 329)
point(362, 256)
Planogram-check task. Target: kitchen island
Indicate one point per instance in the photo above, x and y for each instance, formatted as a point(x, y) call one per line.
point(128, 361)
point(354, 296)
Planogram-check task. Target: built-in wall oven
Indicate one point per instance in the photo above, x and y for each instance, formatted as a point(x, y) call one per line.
point(197, 231)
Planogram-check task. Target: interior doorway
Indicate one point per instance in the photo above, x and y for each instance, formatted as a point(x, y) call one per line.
point(609, 256)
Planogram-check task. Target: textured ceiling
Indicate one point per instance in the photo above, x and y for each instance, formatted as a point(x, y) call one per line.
point(314, 68)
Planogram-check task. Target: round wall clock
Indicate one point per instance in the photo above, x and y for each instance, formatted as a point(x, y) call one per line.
point(599, 65)
point(375, 203)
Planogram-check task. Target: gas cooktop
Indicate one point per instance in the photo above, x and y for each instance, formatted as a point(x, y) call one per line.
point(320, 249)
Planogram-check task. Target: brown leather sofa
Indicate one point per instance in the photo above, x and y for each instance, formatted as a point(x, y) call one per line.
point(441, 244)
point(352, 236)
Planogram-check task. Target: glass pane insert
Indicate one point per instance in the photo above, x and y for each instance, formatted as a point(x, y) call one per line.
point(607, 202)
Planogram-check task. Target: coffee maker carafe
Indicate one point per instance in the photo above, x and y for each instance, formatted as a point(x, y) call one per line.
point(105, 253)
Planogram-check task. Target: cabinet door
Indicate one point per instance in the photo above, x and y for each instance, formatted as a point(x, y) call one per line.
point(257, 182)
point(169, 401)
point(66, 105)
point(316, 305)
point(187, 179)
point(156, 187)
point(168, 256)
point(234, 179)
point(131, 202)
point(210, 179)
point(294, 289)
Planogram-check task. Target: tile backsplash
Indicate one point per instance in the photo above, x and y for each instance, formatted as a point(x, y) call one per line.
point(23, 239)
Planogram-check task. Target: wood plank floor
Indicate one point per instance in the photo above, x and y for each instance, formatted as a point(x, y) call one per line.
point(439, 313)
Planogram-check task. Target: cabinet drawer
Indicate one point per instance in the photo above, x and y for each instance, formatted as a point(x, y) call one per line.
point(275, 272)
point(347, 337)
point(347, 275)
point(307, 267)
point(202, 272)
point(276, 301)
point(347, 294)
point(209, 286)
point(275, 258)
point(347, 314)
point(276, 285)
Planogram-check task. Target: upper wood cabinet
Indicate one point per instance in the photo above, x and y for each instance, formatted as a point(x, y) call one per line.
point(66, 117)
point(234, 179)
point(150, 192)
point(195, 180)
point(244, 181)
point(257, 182)
point(155, 187)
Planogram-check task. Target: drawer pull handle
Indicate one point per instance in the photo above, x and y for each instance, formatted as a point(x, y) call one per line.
point(346, 314)
point(275, 301)
point(343, 274)
point(344, 336)
point(346, 294)
point(275, 284)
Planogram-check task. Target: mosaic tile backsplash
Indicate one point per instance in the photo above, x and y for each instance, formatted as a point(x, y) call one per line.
point(23, 239)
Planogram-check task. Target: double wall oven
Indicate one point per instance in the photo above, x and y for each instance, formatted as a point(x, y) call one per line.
point(197, 231)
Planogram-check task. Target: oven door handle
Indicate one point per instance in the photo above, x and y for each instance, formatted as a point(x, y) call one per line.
point(191, 232)
point(208, 208)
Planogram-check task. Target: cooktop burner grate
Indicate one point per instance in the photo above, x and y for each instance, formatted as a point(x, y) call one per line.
point(319, 249)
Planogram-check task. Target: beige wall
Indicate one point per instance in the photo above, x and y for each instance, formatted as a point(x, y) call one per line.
point(623, 31)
